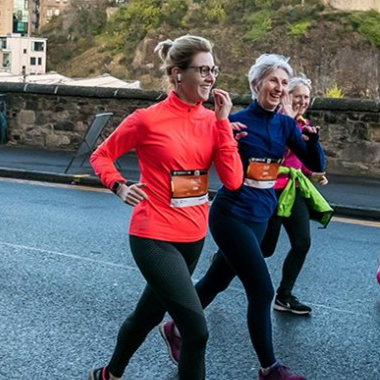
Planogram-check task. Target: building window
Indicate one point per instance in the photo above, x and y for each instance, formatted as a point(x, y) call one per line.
point(37, 46)
point(6, 61)
point(24, 51)
point(39, 61)
point(49, 12)
point(57, 12)
point(33, 61)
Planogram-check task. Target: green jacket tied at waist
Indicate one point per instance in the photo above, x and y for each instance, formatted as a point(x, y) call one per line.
point(319, 209)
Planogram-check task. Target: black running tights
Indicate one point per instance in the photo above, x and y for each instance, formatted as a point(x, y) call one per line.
point(240, 255)
point(167, 268)
point(297, 227)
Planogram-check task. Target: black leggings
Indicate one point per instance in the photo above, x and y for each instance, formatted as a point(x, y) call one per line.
point(167, 268)
point(240, 254)
point(297, 226)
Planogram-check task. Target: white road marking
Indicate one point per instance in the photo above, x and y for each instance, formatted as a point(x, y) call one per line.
point(69, 255)
point(128, 267)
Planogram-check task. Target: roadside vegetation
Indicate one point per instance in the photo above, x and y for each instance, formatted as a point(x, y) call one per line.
point(89, 43)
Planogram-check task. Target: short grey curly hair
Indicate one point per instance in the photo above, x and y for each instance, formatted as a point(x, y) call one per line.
point(264, 65)
point(301, 80)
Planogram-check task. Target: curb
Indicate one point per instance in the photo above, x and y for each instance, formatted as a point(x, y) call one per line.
point(82, 179)
point(90, 180)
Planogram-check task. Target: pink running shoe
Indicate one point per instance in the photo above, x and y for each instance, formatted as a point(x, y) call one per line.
point(172, 341)
point(280, 372)
point(378, 271)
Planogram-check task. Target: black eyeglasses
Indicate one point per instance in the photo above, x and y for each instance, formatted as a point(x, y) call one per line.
point(206, 70)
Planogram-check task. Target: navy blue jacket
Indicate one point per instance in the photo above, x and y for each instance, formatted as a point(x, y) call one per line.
point(269, 133)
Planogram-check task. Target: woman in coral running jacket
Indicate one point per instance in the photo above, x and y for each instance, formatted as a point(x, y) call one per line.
point(176, 141)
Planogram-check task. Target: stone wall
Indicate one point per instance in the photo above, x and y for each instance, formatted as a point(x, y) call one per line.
point(56, 117)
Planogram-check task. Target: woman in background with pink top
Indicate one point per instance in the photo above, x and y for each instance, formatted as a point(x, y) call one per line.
point(297, 226)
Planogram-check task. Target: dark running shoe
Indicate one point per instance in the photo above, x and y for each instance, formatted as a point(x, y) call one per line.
point(291, 304)
point(98, 374)
point(172, 341)
point(280, 372)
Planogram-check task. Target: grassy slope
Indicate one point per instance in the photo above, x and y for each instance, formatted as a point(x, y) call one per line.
point(124, 45)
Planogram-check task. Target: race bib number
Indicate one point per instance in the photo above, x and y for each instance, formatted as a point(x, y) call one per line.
point(189, 188)
point(262, 172)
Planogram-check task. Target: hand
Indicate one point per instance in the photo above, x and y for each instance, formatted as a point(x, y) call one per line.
point(310, 132)
point(319, 178)
point(222, 103)
point(287, 105)
point(237, 126)
point(132, 195)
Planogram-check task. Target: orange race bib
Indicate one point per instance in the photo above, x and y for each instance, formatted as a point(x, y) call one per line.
point(262, 172)
point(189, 188)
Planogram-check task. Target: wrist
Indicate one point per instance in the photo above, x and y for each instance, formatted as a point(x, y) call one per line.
point(116, 187)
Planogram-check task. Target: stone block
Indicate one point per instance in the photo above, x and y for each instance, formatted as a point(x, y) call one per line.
point(330, 118)
point(362, 152)
point(64, 126)
point(26, 117)
point(374, 117)
point(353, 116)
point(32, 105)
point(360, 131)
point(374, 134)
point(57, 141)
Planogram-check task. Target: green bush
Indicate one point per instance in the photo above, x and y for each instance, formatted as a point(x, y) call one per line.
point(90, 21)
point(368, 24)
point(131, 23)
point(260, 23)
point(213, 11)
point(299, 28)
point(174, 12)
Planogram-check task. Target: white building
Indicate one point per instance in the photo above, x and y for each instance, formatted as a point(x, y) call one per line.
point(22, 55)
point(354, 5)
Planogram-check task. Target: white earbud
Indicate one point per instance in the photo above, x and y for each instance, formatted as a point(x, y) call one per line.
point(179, 77)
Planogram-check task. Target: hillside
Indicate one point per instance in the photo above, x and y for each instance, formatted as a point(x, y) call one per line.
point(333, 48)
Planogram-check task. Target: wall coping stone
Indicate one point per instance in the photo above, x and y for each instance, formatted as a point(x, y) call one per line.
point(326, 104)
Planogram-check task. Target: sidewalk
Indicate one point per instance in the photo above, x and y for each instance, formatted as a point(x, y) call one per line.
point(352, 197)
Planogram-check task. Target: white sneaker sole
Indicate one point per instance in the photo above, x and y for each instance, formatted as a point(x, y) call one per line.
point(282, 308)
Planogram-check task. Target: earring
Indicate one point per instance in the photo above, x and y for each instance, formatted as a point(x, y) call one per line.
point(179, 78)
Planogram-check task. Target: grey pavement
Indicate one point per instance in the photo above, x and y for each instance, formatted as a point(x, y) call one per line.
point(68, 280)
point(350, 196)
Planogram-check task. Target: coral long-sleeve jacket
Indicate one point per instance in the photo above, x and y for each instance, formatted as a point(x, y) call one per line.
point(170, 136)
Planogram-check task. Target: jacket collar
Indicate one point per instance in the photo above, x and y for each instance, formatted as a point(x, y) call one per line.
point(256, 108)
point(179, 105)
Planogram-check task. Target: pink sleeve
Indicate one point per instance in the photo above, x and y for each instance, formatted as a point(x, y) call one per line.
point(123, 139)
point(306, 171)
point(301, 123)
point(226, 157)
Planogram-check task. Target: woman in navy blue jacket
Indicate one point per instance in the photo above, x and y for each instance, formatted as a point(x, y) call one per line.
point(238, 218)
